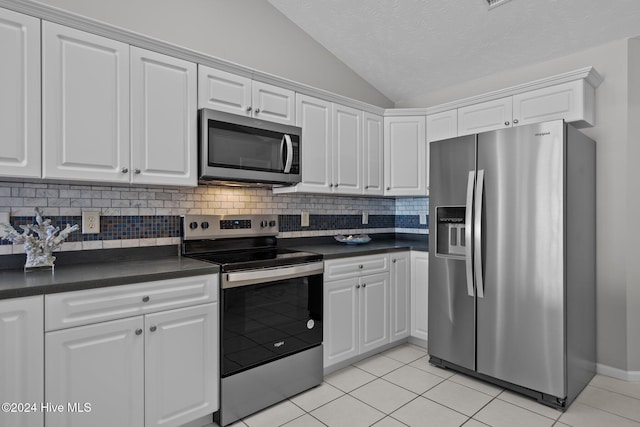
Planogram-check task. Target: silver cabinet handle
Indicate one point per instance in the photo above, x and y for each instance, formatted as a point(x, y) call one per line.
point(336, 185)
point(145, 298)
point(468, 252)
point(360, 266)
point(364, 285)
point(136, 171)
point(125, 170)
point(138, 331)
point(515, 121)
point(153, 328)
point(249, 109)
point(477, 231)
point(257, 110)
point(388, 188)
point(506, 123)
point(393, 260)
point(366, 187)
point(357, 286)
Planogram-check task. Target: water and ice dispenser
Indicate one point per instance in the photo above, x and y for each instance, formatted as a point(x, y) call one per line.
point(450, 233)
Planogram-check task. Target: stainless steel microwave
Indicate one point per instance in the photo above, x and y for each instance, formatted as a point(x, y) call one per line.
point(238, 149)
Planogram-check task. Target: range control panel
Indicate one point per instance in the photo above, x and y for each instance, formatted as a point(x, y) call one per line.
point(197, 227)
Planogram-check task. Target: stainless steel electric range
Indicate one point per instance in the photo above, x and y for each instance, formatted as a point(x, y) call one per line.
point(270, 310)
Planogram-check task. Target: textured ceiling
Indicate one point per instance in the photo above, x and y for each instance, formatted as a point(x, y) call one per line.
point(406, 48)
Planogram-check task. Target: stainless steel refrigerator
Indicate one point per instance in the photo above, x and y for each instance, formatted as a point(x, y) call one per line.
point(512, 270)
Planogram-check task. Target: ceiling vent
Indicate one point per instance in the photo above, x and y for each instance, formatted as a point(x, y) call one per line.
point(495, 3)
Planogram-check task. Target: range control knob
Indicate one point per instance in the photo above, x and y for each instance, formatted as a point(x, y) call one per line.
point(204, 225)
point(272, 223)
point(193, 225)
point(264, 223)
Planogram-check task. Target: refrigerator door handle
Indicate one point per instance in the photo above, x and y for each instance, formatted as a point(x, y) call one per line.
point(468, 249)
point(477, 232)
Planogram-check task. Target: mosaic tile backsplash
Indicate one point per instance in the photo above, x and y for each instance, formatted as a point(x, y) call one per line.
point(134, 216)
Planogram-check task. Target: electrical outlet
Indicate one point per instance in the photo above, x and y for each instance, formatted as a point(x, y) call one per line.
point(423, 218)
point(90, 222)
point(304, 219)
point(365, 217)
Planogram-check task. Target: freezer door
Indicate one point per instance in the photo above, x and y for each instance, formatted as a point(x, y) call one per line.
point(520, 316)
point(451, 321)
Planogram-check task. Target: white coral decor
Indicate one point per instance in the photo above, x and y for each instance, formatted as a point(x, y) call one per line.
point(39, 240)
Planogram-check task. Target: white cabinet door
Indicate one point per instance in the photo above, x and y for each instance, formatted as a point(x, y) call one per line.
point(347, 150)
point(224, 91)
point(273, 103)
point(314, 116)
point(486, 116)
point(419, 293)
point(100, 364)
point(405, 156)
point(22, 359)
point(400, 295)
point(372, 154)
point(571, 101)
point(340, 324)
point(85, 83)
point(442, 125)
point(181, 365)
point(163, 119)
point(374, 311)
point(20, 95)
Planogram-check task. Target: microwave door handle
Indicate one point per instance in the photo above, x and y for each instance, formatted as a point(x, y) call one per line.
point(287, 166)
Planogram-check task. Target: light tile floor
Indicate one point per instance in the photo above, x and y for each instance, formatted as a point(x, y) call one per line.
point(400, 388)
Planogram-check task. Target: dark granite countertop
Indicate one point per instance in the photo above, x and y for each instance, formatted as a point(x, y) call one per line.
point(110, 271)
point(380, 243)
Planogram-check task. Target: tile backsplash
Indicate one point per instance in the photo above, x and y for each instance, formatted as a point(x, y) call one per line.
point(136, 216)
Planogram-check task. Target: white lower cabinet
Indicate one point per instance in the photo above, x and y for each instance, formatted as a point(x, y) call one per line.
point(101, 365)
point(21, 360)
point(157, 368)
point(400, 295)
point(419, 293)
point(356, 316)
point(181, 359)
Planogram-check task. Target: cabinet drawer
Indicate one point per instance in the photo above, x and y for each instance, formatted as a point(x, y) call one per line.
point(355, 267)
point(84, 307)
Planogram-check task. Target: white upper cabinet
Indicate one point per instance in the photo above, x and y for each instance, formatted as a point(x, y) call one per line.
point(85, 82)
point(163, 119)
point(405, 156)
point(333, 150)
point(372, 154)
point(273, 103)
point(573, 102)
point(20, 95)
point(315, 118)
point(347, 150)
point(223, 91)
point(442, 125)
point(485, 116)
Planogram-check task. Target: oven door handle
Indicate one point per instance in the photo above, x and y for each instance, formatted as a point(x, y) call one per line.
point(264, 275)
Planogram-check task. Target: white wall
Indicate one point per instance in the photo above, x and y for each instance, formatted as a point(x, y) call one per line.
point(248, 32)
point(616, 132)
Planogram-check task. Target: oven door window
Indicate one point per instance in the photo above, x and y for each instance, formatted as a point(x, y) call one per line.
point(267, 321)
point(243, 147)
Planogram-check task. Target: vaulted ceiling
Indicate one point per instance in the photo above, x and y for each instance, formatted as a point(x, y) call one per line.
point(410, 47)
